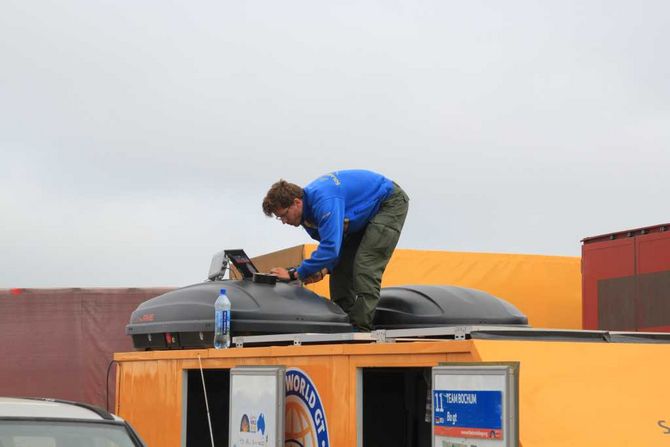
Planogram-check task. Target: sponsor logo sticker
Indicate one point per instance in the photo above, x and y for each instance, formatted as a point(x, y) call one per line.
point(305, 416)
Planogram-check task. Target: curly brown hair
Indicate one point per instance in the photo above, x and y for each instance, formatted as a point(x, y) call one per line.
point(281, 195)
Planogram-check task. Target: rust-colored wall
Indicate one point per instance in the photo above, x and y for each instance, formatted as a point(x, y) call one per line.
point(604, 261)
point(626, 279)
point(59, 342)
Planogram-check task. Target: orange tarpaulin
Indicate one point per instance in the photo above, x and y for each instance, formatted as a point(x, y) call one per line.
point(545, 288)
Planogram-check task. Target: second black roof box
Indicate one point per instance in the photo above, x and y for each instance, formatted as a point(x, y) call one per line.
point(406, 307)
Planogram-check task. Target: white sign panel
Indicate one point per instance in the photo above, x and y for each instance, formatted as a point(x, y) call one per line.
point(475, 405)
point(256, 407)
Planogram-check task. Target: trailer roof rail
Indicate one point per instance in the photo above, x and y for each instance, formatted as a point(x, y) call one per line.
point(447, 333)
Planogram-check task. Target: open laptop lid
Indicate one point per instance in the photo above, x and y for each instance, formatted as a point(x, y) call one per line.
point(241, 262)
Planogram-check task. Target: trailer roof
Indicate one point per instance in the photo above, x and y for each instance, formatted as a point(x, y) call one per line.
point(456, 333)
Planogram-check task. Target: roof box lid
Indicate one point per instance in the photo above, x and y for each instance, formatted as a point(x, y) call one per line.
point(429, 306)
point(255, 308)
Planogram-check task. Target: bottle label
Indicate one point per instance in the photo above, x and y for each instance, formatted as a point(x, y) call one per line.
point(218, 321)
point(222, 321)
point(226, 321)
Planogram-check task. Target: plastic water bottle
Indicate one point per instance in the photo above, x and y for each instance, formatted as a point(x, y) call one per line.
point(222, 321)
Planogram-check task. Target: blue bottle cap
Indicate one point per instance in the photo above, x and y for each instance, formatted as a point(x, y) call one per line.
point(222, 292)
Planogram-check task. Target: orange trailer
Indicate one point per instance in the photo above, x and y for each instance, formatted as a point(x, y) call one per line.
point(576, 388)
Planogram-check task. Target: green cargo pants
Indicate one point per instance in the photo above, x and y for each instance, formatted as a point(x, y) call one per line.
point(356, 281)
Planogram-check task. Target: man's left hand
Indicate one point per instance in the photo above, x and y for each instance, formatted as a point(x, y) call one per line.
point(318, 276)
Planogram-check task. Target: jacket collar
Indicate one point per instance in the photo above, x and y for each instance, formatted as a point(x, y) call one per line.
point(307, 220)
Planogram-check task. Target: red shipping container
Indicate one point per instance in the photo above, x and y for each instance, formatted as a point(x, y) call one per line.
point(626, 280)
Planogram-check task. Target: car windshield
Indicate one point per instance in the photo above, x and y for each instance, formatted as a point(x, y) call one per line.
point(63, 434)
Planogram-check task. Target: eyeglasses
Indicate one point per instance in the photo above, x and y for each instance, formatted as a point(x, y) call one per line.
point(283, 215)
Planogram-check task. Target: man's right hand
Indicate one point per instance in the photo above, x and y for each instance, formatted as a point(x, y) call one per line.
point(281, 273)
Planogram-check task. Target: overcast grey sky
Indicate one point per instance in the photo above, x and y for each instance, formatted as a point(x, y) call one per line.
point(137, 138)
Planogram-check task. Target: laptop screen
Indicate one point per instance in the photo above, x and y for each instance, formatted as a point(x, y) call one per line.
point(241, 262)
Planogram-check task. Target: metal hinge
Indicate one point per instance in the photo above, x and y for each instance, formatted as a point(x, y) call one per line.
point(459, 333)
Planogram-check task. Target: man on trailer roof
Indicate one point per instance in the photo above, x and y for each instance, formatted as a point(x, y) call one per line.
point(357, 217)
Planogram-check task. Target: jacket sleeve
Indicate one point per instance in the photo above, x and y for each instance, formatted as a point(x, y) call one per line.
point(330, 215)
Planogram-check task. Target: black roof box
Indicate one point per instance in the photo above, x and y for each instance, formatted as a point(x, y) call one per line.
point(407, 307)
point(184, 318)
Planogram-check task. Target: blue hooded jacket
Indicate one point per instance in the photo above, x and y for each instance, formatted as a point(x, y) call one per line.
point(352, 196)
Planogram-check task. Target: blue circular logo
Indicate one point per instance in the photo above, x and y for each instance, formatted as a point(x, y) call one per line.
point(305, 418)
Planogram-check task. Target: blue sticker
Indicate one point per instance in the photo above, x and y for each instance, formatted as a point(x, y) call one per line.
point(468, 414)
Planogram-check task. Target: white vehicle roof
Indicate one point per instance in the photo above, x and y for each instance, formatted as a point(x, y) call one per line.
point(49, 408)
